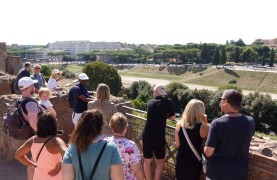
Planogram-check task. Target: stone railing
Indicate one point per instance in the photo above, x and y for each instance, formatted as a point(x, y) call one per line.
point(260, 166)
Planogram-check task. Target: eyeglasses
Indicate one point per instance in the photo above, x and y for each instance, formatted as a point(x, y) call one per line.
point(37, 68)
point(222, 99)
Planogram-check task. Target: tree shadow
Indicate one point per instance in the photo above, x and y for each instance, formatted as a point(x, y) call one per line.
point(177, 70)
point(231, 72)
point(162, 68)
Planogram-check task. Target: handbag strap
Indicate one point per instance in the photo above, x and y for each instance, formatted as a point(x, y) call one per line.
point(191, 145)
point(95, 165)
point(43, 146)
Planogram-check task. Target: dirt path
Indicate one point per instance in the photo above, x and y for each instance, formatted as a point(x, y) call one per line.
point(127, 81)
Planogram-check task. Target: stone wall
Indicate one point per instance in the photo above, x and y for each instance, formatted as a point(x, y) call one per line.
point(6, 83)
point(9, 64)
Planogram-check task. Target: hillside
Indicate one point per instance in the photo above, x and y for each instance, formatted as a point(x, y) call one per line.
point(247, 80)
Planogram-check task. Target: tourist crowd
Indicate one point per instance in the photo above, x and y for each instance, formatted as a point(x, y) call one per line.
point(98, 147)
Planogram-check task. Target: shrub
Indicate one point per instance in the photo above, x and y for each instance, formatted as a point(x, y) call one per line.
point(68, 74)
point(229, 86)
point(140, 90)
point(100, 72)
point(139, 104)
point(233, 81)
point(46, 70)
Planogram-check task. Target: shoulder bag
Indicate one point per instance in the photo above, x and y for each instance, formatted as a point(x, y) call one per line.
point(201, 158)
point(95, 165)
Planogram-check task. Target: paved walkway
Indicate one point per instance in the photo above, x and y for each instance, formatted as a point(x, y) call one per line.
point(12, 170)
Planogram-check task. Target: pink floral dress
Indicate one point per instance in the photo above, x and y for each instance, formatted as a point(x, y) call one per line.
point(129, 154)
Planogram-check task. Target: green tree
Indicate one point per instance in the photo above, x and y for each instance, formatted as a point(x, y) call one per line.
point(240, 43)
point(68, 58)
point(249, 55)
point(140, 90)
point(223, 57)
point(205, 56)
point(45, 70)
point(272, 58)
point(216, 59)
point(88, 56)
point(100, 72)
point(237, 55)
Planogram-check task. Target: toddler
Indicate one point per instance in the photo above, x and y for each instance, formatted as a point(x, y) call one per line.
point(44, 95)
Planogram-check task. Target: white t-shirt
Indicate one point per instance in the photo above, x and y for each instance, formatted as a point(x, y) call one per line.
point(52, 83)
point(46, 103)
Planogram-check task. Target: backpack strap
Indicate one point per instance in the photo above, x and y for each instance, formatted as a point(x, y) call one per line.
point(43, 146)
point(25, 101)
point(95, 165)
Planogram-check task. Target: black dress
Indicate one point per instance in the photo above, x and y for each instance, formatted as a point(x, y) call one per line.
point(187, 165)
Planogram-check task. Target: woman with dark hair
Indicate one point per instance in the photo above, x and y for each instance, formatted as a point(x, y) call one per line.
point(89, 157)
point(47, 150)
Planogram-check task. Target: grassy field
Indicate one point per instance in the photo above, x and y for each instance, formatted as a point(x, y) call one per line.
point(247, 80)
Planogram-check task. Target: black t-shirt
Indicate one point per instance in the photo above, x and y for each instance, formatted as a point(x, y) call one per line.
point(158, 110)
point(230, 136)
point(79, 105)
point(22, 73)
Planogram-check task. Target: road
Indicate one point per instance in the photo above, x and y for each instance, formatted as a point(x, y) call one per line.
point(127, 81)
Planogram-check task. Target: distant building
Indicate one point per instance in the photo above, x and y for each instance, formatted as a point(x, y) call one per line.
point(72, 47)
point(271, 43)
point(39, 53)
point(76, 47)
point(100, 46)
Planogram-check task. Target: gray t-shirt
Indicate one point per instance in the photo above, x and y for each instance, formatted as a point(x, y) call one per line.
point(40, 78)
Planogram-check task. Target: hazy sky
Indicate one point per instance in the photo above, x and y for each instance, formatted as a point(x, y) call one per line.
point(137, 21)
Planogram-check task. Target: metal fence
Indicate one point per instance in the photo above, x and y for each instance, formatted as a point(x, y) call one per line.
point(136, 126)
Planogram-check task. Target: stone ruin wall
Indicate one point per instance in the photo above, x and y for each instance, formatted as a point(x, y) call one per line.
point(9, 64)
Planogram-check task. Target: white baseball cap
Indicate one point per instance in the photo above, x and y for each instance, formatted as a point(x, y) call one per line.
point(160, 89)
point(83, 76)
point(56, 71)
point(26, 82)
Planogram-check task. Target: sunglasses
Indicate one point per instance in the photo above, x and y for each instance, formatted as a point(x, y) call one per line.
point(37, 68)
point(222, 99)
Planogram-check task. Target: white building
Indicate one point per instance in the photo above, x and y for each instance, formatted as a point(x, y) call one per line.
point(72, 47)
point(100, 46)
point(77, 47)
point(40, 53)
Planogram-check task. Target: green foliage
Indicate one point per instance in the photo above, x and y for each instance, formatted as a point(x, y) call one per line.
point(229, 86)
point(140, 90)
point(45, 70)
point(249, 55)
point(68, 74)
point(100, 72)
point(223, 57)
point(216, 59)
point(205, 56)
point(139, 104)
point(68, 58)
point(88, 56)
point(46, 78)
point(237, 55)
point(272, 58)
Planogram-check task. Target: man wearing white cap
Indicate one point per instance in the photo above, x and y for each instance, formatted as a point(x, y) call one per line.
point(80, 97)
point(159, 110)
point(30, 109)
point(52, 82)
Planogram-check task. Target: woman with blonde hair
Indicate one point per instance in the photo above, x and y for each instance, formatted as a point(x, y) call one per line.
point(103, 104)
point(194, 122)
point(89, 157)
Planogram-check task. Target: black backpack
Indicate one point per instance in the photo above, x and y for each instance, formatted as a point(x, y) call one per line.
point(71, 97)
point(14, 123)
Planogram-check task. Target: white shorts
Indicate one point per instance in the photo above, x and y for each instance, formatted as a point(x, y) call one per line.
point(75, 118)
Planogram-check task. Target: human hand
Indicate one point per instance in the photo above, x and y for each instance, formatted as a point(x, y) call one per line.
point(55, 171)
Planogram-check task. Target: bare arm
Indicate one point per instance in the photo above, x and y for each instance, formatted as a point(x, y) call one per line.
point(68, 172)
point(20, 154)
point(137, 169)
point(204, 130)
point(117, 172)
point(33, 119)
point(177, 140)
point(60, 146)
point(52, 110)
point(209, 151)
point(84, 98)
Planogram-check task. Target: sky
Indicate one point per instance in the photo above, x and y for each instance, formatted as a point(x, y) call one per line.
point(34, 22)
